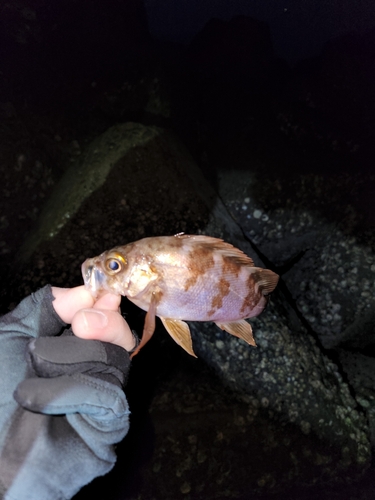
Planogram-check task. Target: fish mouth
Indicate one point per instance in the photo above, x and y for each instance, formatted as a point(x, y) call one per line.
point(93, 278)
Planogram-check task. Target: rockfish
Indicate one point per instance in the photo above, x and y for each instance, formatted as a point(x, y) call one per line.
point(184, 278)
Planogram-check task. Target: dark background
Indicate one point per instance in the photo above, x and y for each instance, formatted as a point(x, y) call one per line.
point(294, 80)
point(299, 29)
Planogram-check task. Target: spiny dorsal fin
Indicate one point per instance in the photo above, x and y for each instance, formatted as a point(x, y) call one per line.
point(218, 245)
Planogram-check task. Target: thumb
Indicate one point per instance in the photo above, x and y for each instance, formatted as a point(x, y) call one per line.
point(104, 325)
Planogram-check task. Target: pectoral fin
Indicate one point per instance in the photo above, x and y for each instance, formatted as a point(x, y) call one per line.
point(149, 326)
point(180, 333)
point(241, 329)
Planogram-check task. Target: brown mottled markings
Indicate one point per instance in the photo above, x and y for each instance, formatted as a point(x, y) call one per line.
point(162, 243)
point(251, 299)
point(176, 241)
point(200, 260)
point(232, 265)
point(223, 291)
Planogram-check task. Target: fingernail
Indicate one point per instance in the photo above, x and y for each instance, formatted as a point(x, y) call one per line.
point(94, 319)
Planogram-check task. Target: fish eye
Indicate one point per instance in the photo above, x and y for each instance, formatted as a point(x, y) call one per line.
point(115, 264)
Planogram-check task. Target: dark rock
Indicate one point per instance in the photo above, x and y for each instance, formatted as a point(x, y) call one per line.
point(236, 49)
point(291, 191)
point(338, 88)
point(135, 181)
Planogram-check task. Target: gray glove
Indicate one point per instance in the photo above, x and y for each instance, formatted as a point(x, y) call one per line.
point(62, 404)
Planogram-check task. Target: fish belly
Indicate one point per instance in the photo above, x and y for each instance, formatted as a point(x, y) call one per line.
point(204, 302)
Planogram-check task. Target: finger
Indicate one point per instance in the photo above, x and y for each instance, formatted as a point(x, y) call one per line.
point(104, 325)
point(70, 300)
point(108, 301)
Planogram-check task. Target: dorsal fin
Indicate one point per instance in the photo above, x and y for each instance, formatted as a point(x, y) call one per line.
point(218, 245)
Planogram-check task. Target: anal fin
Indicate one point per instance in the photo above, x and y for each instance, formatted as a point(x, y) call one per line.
point(180, 333)
point(241, 329)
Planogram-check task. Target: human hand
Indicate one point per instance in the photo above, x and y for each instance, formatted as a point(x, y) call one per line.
point(58, 431)
point(98, 320)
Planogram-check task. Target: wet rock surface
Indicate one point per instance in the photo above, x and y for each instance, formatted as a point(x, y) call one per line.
point(294, 416)
point(311, 236)
point(114, 167)
point(311, 229)
point(286, 376)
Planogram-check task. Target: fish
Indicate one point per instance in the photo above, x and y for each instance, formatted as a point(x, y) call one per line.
point(184, 278)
